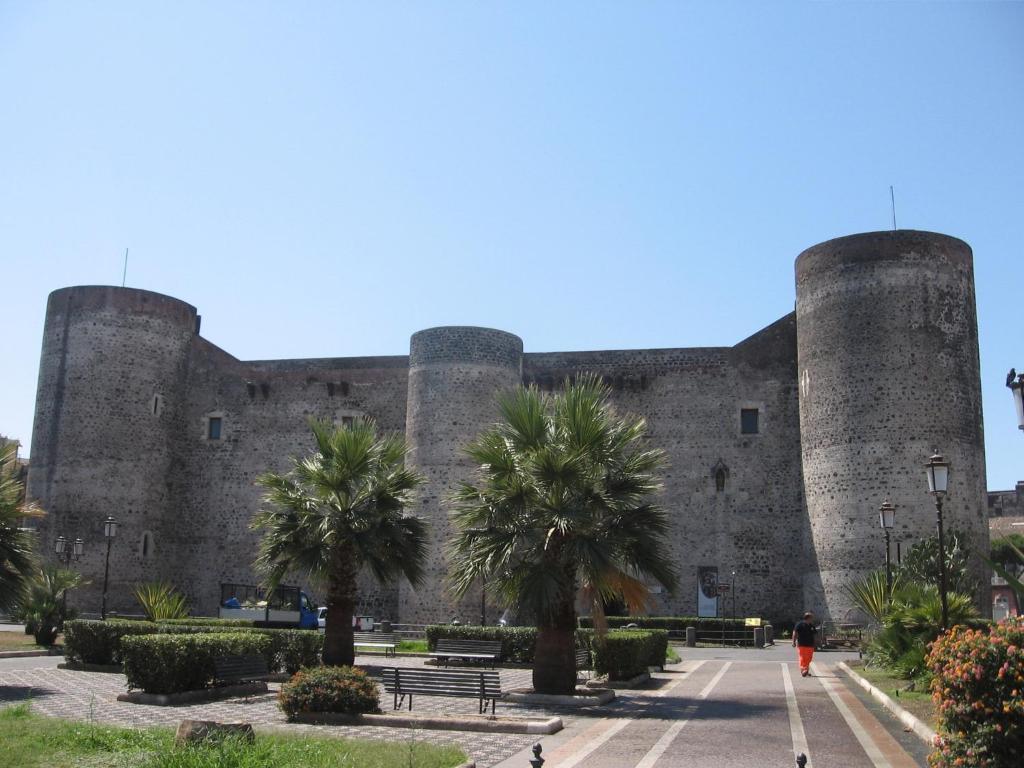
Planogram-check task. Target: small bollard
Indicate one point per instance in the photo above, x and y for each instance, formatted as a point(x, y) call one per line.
point(537, 761)
point(801, 760)
point(758, 637)
point(691, 637)
point(769, 634)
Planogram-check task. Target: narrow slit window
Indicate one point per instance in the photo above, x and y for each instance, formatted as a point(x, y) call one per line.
point(213, 428)
point(749, 421)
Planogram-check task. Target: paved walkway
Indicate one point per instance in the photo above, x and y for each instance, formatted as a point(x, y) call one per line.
point(730, 709)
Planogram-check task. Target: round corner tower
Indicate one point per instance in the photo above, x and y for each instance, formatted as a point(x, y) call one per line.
point(108, 405)
point(455, 375)
point(887, 355)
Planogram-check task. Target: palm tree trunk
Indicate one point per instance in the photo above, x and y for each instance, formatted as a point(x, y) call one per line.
point(554, 659)
point(341, 603)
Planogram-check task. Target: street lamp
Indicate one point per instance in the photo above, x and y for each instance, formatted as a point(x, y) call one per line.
point(938, 479)
point(65, 551)
point(734, 596)
point(887, 516)
point(109, 532)
point(1016, 385)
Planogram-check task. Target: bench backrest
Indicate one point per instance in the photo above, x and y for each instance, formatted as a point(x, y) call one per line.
point(582, 658)
point(447, 682)
point(245, 667)
point(446, 645)
point(375, 637)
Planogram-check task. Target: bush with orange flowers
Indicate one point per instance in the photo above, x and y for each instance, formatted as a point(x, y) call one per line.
point(978, 687)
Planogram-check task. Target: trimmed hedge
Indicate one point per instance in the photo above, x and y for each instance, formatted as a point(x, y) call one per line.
point(99, 642)
point(627, 653)
point(518, 643)
point(329, 689)
point(671, 623)
point(209, 621)
point(172, 663)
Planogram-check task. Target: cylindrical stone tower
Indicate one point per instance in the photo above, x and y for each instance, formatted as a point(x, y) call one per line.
point(108, 408)
point(455, 374)
point(887, 353)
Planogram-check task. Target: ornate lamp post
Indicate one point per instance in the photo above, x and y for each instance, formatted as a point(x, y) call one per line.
point(938, 480)
point(66, 550)
point(734, 596)
point(1016, 385)
point(887, 516)
point(109, 532)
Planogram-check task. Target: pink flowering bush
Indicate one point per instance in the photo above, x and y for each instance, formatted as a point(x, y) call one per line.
point(978, 687)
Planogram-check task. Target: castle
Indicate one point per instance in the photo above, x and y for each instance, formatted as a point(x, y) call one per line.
point(780, 448)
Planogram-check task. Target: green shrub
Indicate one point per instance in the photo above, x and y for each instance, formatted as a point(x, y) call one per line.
point(329, 689)
point(623, 654)
point(99, 642)
point(670, 623)
point(978, 685)
point(184, 662)
point(209, 621)
point(517, 643)
point(294, 648)
point(161, 600)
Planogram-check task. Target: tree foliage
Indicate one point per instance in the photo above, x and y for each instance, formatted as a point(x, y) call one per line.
point(16, 544)
point(563, 502)
point(338, 510)
point(921, 563)
point(43, 603)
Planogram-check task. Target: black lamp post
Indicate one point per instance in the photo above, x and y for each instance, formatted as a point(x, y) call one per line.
point(887, 516)
point(938, 480)
point(109, 532)
point(734, 596)
point(1016, 385)
point(66, 550)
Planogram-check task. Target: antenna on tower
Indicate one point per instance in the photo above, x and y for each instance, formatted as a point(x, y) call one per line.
point(124, 274)
point(892, 199)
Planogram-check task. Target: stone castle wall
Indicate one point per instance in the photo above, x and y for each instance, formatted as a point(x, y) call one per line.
point(884, 328)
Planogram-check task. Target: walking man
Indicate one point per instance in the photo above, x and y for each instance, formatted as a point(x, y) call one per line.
point(804, 635)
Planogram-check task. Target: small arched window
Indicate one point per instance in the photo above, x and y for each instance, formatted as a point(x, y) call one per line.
point(720, 473)
point(146, 545)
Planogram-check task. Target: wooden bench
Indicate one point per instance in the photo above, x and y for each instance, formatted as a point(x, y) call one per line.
point(239, 669)
point(376, 640)
point(468, 650)
point(483, 685)
point(583, 659)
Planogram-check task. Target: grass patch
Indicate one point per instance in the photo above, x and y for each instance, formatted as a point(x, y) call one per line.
point(917, 702)
point(412, 646)
point(32, 741)
point(19, 641)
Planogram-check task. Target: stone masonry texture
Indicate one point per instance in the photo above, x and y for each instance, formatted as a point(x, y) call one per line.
point(876, 369)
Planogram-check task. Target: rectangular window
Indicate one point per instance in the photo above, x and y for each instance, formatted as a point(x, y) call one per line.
point(213, 428)
point(346, 421)
point(748, 421)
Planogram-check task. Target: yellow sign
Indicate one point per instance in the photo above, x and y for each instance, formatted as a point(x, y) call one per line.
point(752, 622)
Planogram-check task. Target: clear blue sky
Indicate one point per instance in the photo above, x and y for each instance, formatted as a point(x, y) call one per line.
point(323, 179)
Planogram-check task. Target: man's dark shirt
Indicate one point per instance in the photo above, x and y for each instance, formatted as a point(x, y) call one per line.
point(805, 633)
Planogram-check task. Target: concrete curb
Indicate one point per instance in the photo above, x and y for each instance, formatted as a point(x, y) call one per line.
point(633, 682)
point(192, 697)
point(585, 697)
point(922, 731)
point(480, 724)
point(28, 654)
point(77, 666)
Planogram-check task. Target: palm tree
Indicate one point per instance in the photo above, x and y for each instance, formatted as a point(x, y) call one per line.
point(16, 557)
point(562, 504)
point(339, 510)
point(44, 604)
